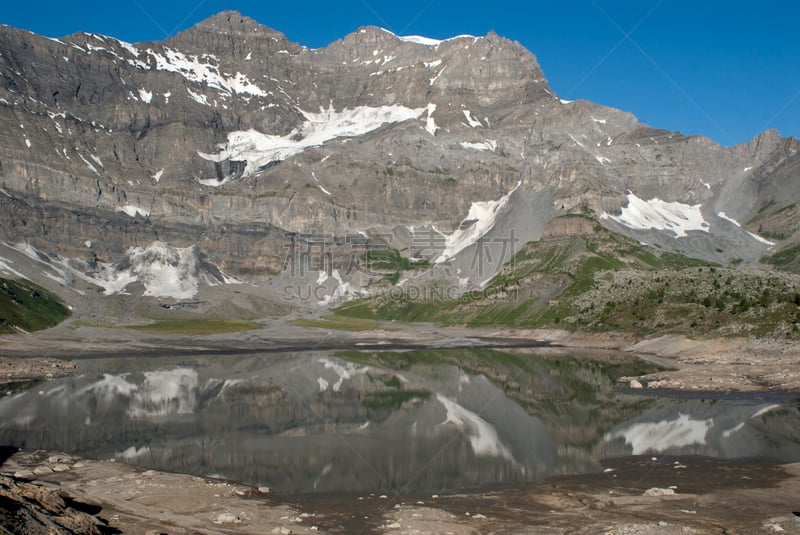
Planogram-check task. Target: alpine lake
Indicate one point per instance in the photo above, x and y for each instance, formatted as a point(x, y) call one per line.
point(407, 422)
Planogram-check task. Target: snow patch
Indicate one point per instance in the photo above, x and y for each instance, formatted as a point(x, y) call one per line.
point(420, 40)
point(7, 269)
point(109, 387)
point(473, 122)
point(323, 384)
point(728, 432)
point(132, 50)
point(133, 211)
point(675, 217)
point(261, 149)
point(163, 270)
point(489, 145)
point(427, 41)
point(344, 370)
point(482, 435)
point(657, 437)
point(89, 165)
point(755, 236)
point(197, 97)
point(133, 453)
point(433, 80)
point(430, 123)
point(200, 70)
point(158, 175)
point(145, 95)
point(764, 410)
point(576, 141)
point(165, 392)
point(479, 221)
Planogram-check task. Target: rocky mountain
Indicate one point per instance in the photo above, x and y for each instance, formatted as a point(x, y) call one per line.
point(228, 164)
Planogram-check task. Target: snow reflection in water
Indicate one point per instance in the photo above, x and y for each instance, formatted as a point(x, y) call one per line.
point(406, 421)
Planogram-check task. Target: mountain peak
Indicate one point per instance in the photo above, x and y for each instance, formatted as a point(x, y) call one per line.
point(232, 23)
point(378, 34)
point(230, 20)
point(230, 32)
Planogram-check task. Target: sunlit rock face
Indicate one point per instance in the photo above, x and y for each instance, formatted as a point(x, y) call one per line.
point(228, 136)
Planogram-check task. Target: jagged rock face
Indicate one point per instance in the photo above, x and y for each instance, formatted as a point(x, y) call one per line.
point(228, 135)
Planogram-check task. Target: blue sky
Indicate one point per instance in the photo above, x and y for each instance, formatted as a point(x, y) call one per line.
point(727, 70)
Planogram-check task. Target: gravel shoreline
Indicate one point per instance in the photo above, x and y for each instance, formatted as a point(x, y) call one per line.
point(636, 495)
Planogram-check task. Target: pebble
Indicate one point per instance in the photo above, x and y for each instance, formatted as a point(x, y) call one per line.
point(655, 491)
point(60, 467)
point(42, 470)
point(227, 518)
point(24, 474)
point(635, 384)
point(264, 490)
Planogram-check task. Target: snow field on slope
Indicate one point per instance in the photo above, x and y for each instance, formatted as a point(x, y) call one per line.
point(259, 149)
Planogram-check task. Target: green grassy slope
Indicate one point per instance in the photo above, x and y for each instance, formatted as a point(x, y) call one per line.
point(24, 305)
point(598, 281)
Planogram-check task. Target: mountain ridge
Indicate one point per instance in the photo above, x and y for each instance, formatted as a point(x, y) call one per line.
point(230, 137)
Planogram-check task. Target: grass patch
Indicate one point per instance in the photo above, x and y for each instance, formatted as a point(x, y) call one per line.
point(199, 326)
point(27, 306)
point(15, 387)
point(787, 259)
point(391, 260)
point(343, 323)
point(87, 323)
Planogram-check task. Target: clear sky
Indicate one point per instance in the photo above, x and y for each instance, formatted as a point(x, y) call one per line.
point(725, 69)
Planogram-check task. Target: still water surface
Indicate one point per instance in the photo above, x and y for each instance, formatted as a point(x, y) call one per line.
point(383, 421)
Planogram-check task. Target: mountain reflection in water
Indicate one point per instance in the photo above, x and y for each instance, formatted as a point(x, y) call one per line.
point(382, 421)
